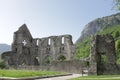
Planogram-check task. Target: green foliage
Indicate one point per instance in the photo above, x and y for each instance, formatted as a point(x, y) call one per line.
point(48, 60)
point(82, 49)
point(116, 34)
point(103, 59)
point(2, 65)
point(37, 60)
point(62, 58)
point(85, 64)
point(116, 4)
point(26, 73)
point(117, 47)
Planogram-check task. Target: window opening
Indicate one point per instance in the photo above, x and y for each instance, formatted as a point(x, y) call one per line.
point(103, 59)
point(37, 42)
point(37, 61)
point(49, 41)
point(63, 40)
point(62, 48)
point(24, 42)
point(16, 49)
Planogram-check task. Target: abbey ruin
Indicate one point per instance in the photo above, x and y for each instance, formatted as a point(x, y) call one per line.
point(56, 53)
point(27, 50)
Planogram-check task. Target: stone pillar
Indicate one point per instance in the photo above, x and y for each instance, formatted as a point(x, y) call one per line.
point(93, 62)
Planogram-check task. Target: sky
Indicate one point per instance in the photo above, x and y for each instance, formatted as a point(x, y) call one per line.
point(46, 18)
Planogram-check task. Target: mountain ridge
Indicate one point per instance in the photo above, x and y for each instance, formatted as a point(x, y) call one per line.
point(98, 25)
point(4, 47)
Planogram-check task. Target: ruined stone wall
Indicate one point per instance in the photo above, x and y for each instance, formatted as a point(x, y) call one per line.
point(54, 47)
point(71, 66)
point(40, 51)
point(24, 47)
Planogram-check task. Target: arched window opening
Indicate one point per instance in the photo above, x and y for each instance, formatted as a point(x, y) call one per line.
point(62, 49)
point(37, 61)
point(61, 58)
point(48, 50)
point(48, 60)
point(49, 41)
point(37, 42)
point(16, 49)
point(103, 59)
point(63, 40)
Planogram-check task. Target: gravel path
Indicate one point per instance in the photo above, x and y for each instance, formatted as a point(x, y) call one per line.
point(62, 77)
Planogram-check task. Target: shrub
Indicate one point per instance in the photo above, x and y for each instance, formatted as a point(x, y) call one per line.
point(2, 65)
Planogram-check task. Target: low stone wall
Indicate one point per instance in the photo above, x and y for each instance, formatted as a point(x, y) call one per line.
point(73, 66)
point(33, 67)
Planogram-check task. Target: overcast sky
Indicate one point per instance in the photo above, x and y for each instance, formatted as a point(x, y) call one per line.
point(50, 17)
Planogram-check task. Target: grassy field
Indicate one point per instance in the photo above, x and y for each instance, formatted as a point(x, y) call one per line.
point(26, 73)
point(101, 77)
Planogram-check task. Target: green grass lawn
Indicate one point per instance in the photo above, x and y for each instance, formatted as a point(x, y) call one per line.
point(27, 73)
point(101, 77)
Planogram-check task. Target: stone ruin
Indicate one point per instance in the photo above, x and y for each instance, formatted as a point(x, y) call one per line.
point(103, 56)
point(40, 52)
point(27, 50)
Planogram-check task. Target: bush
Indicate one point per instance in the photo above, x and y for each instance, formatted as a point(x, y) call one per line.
point(2, 65)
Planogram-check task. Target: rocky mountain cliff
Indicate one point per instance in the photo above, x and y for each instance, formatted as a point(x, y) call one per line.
point(99, 24)
point(4, 47)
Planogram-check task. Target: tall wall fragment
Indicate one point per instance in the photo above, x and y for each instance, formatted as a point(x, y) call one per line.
point(103, 56)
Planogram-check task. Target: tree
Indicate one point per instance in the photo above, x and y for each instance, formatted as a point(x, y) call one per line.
point(2, 65)
point(116, 4)
point(116, 34)
point(117, 47)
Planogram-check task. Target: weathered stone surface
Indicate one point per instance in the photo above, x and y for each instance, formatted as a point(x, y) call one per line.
point(39, 51)
point(70, 66)
point(103, 48)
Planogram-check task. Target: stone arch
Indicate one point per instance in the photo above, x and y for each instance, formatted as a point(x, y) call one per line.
point(61, 58)
point(47, 60)
point(37, 60)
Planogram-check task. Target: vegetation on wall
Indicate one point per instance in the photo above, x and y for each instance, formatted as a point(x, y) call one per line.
point(48, 60)
point(61, 58)
point(2, 65)
point(83, 47)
